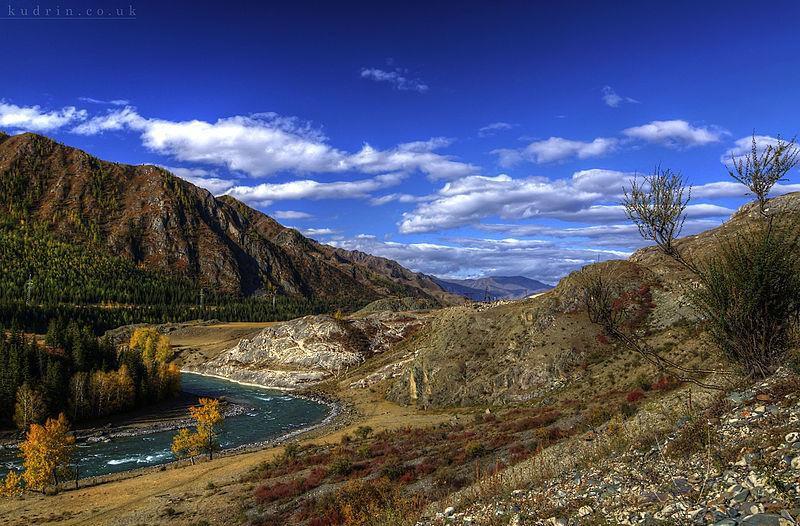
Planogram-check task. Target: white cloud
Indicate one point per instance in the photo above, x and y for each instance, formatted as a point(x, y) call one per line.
point(619, 235)
point(202, 178)
point(557, 149)
point(318, 232)
point(397, 77)
point(613, 99)
point(674, 133)
point(307, 189)
point(588, 196)
point(35, 119)
point(265, 144)
point(491, 129)
point(471, 257)
point(399, 198)
point(290, 214)
point(115, 120)
point(115, 102)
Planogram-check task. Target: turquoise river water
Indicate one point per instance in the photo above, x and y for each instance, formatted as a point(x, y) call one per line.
point(268, 414)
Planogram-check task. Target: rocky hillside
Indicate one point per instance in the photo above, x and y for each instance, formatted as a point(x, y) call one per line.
point(507, 352)
point(308, 350)
point(729, 460)
point(166, 224)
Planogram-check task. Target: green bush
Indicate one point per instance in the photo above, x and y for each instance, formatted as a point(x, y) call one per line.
point(750, 300)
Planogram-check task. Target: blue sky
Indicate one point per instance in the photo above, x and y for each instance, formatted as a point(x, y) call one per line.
point(459, 138)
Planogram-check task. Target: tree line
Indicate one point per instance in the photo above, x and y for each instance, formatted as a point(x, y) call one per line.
point(43, 278)
point(75, 372)
point(48, 452)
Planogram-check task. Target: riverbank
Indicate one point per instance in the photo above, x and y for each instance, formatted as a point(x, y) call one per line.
point(182, 494)
point(255, 416)
point(209, 492)
point(169, 415)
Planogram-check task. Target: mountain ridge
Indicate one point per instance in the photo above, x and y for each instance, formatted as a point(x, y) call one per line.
point(495, 287)
point(164, 223)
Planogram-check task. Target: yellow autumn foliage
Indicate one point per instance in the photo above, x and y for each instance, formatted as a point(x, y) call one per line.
point(152, 345)
point(46, 452)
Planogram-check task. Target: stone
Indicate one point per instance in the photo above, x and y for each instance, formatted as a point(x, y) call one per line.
point(741, 496)
point(449, 511)
point(761, 519)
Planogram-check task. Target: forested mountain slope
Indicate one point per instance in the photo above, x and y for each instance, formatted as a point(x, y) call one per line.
point(161, 223)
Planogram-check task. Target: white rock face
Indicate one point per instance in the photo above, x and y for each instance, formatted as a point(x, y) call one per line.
point(308, 350)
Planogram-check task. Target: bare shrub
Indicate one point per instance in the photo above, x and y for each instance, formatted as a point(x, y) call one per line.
point(749, 291)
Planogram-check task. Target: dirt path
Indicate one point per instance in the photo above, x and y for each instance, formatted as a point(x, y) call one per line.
point(208, 491)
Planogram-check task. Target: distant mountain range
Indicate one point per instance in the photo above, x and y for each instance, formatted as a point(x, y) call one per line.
point(162, 223)
point(493, 287)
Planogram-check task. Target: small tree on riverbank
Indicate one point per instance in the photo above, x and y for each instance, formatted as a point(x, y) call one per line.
point(46, 452)
point(203, 439)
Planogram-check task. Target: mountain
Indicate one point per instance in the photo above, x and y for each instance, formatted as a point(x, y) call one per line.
point(495, 287)
point(164, 224)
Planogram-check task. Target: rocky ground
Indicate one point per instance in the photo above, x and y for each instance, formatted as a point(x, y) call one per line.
point(306, 351)
point(735, 463)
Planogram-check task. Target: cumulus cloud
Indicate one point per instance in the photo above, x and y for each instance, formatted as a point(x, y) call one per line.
point(318, 232)
point(618, 235)
point(264, 144)
point(35, 119)
point(556, 149)
point(290, 214)
point(398, 198)
point(613, 99)
point(202, 178)
point(471, 257)
point(585, 197)
point(491, 129)
point(674, 134)
point(266, 193)
point(397, 77)
point(114, 120)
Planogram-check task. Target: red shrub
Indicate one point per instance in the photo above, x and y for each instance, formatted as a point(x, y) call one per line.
point(634, 396)
point(663, 383)
point(314, 478)
point(279, 491)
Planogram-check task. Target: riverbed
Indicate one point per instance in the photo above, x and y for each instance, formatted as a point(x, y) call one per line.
point(262, 415)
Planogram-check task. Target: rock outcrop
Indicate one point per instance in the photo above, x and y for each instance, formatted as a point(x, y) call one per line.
point(308, 350)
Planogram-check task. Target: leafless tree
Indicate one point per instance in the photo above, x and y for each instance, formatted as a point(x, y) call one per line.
point(748, 290)
point(759, 171)
point(657, 206)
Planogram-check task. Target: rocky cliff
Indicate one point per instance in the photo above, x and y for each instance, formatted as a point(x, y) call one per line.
point(308, 350)
point(166, 224)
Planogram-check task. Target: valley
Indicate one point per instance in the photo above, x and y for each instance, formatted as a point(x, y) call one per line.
point(356, 392)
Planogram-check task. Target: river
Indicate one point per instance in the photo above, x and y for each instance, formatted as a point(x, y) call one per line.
point(268, 414)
